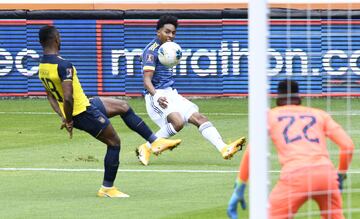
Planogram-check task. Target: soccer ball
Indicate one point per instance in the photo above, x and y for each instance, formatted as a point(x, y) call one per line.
point(169, 54)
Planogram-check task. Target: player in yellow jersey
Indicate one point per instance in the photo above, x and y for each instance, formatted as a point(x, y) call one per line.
point(69, 101)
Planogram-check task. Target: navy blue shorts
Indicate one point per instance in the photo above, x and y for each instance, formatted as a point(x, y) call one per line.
point(94, 119)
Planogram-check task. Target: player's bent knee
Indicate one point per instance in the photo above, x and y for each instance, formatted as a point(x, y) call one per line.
point(112, 141)
point(176, 120)
point(178, 125)
point(109, 136)
point(202, 118)
point(122, 106)
point(115, 140)
point(198, 119)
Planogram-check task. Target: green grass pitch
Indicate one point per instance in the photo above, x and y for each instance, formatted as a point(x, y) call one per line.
point(31, 138)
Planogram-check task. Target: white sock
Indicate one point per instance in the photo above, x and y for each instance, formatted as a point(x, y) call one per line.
point(211, 134)
point(166, 131)
point(148, 144)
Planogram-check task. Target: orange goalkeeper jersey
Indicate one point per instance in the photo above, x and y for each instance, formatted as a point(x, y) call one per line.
point(299, 135)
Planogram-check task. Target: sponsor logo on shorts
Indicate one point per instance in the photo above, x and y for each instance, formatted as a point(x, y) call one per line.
point(101, 119)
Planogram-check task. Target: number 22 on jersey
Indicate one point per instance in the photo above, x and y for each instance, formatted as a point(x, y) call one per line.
point(300, 123)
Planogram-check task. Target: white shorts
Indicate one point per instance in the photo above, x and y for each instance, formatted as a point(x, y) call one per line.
point(176, 103)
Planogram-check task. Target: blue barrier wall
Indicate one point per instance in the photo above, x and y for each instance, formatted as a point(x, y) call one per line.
point(321, 53)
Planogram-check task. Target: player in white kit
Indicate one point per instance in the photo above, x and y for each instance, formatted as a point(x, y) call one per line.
point(168, 109)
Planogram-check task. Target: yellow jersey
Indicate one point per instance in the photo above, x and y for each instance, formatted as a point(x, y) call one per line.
point(53, 70)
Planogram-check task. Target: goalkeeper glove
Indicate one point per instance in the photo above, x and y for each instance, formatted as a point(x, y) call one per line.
point(237, 196)
point(341, 179)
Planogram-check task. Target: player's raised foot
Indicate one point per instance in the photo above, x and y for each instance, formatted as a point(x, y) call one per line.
point(143, 154)
point(229, 150)
point(162, 144)
point(112, 192)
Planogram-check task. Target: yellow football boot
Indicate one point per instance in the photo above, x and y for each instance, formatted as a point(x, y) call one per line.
point(162, 144)
point(229, 150)
point(112, 192)
point(143, 154)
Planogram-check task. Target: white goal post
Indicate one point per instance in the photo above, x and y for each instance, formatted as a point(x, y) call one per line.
point(258, 104)
point(258, 39)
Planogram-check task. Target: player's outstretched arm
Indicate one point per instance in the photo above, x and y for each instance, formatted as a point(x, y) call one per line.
point(338, 135)
point(236, 197)
point(54, 105)
point(68, 105)
point(150, 87)
point(346, 145)
point(148, 75)
point(240, 186)
point(341, 179)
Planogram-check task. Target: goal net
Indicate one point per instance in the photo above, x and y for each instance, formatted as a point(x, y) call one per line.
point(317, 44)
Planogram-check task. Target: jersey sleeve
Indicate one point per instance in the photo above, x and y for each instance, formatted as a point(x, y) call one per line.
point(66, 71)
point(149, 60)
point(338, 135)
point(243, 175)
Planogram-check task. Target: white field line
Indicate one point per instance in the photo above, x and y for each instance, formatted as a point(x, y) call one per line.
point(133, 170)
point(335, 113)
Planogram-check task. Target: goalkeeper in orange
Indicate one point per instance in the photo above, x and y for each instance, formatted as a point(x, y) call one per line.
point(299, 135)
